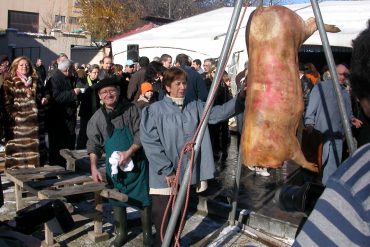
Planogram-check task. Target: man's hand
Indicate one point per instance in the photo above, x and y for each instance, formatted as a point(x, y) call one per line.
point(77, 91)
point(124, 156)
point(96, 176)
point(170, 179)
point(243, 91)
point(44, 101)
point(309, 128)
point(356, 122)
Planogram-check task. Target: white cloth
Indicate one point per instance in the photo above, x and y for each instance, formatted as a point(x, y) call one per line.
point(114, 159)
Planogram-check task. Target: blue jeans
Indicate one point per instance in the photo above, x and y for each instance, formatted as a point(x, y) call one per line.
point(331, 157)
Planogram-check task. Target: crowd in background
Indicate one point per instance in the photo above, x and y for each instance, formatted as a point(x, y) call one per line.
point(37, 102)
point(67, 89)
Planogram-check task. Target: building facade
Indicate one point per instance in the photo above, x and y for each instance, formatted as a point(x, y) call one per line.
point(39, 16)
point(40, 29)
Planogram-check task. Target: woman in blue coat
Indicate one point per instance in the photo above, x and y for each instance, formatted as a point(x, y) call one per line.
point(165, 127)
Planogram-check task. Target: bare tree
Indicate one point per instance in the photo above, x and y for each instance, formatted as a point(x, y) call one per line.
point(107, 18)
point(173, 9)
point(48, 19)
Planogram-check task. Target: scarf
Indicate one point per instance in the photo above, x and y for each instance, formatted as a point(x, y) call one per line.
point(143, 98)
point(26, 80)
point(117, 111)
point(178, 101)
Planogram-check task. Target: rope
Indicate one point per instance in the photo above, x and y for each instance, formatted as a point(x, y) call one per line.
point(189, 148)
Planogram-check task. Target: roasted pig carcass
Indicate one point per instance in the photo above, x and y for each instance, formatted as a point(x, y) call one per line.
point(274, 103)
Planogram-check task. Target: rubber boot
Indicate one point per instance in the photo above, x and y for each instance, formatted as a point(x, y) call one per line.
point(120, 226)
point(146, 223)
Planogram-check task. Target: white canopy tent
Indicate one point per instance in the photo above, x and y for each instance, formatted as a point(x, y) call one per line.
point(202, 36)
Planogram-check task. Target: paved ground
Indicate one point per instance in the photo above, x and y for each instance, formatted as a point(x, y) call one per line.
point(197, 229)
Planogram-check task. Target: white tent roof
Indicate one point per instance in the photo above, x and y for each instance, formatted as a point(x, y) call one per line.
point(202, 36)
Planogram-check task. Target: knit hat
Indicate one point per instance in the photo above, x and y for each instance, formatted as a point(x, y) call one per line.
point(145, 87)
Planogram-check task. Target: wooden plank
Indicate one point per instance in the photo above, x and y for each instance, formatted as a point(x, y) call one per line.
point(18, 197)
point(16, 175)
point(71, 157)
point(34, 170)
point(73, 190)
point(114, 194)
point(28, 177)
point(49, 236)
point(74, 154)
point(63, 181)
point(98, 235)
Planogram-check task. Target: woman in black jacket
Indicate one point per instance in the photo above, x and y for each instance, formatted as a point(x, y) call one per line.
point(89, 103)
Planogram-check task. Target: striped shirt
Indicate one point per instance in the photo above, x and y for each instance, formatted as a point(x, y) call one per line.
point(341, 216)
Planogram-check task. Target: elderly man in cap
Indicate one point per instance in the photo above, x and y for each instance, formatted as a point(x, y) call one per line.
point(114, 129)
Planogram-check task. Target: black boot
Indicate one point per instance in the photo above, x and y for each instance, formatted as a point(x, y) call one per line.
point(120, 226)
point(146, 222)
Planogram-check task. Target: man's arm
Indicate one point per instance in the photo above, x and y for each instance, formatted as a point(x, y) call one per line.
point(202, 91)
point(133, 87)
point(313, 103)
point(95, 174)
point(60, 93)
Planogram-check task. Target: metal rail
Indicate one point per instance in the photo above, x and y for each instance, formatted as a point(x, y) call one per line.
point(333, 72)
point(219, 72)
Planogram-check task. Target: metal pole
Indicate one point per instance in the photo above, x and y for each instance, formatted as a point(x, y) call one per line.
point(333, 72)
point(169, 8)
point(234, 202)
point(219, 72)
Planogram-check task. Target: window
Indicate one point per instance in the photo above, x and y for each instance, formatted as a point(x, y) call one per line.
point(23, 21)
point(60, 18)
point(73, 20)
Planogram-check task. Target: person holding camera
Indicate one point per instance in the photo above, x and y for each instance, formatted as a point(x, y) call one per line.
point(323, 114)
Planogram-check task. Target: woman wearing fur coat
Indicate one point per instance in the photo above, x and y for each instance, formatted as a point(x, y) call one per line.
point(24, 101)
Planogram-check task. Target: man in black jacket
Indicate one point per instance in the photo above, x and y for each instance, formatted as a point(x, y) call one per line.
point(62, 112)
point(196, 88)
point(40, 69)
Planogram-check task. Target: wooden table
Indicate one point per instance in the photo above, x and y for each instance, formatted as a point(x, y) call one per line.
point(71, 156)
point(54, 182)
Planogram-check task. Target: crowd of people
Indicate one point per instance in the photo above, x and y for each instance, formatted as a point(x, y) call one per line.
point(141, 114)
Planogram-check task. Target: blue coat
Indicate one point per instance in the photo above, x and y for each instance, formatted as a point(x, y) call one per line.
point(323, 110)
point(165, 128)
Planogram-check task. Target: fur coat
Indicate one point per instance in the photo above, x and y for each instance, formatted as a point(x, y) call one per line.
point(22, 108)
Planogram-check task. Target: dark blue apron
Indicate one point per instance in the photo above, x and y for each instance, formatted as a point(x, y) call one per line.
point(133, 183)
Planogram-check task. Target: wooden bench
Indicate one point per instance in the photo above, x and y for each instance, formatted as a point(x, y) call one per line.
point(71, 156)
point(54, 182)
